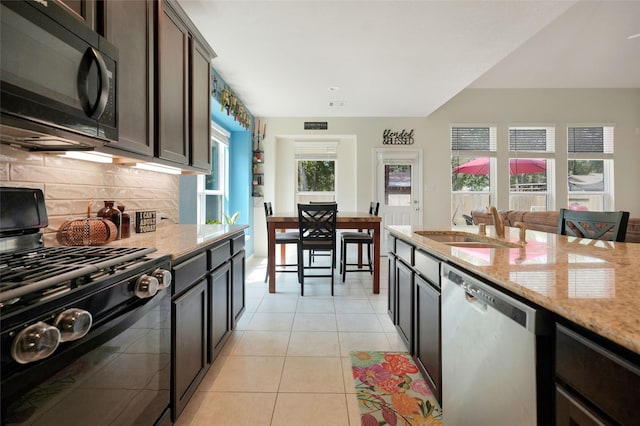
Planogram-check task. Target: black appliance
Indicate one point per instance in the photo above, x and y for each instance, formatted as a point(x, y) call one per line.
point(58, 79)
point(85, 332)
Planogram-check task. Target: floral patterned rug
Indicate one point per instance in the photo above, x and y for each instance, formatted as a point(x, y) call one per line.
point(391, 391)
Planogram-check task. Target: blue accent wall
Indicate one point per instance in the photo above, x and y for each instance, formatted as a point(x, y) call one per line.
point(240, 153)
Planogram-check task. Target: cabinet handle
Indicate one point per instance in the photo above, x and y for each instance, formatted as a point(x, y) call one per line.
point(93, 111)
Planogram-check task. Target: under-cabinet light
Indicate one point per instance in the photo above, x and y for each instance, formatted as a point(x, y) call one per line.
point(96, 157)
point(158, 168)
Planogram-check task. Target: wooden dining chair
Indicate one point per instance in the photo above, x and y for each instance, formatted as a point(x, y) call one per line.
point(317, 229)
point(357, 238)
point(320, 253)
point(610, 226)
point(289, 237)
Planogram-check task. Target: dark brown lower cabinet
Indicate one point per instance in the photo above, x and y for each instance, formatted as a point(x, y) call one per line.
point(595, 384)
point(392, 295)
point(237, 295)
point(190, 319)
point(404, 285)
point(208, 297)
point(220, 281)
point(427, 333)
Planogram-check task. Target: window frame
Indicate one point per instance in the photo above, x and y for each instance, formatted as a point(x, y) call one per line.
point(220, 138)
point(607, 156)
point(548, 155)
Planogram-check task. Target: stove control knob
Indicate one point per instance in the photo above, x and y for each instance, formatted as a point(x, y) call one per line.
point(146, 287)
point(73, 324)
point(164, 278)
point(35, 342)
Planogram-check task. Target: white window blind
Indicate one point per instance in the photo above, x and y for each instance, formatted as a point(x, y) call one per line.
point(532, 139)
point(590, 139)
point(471, 138)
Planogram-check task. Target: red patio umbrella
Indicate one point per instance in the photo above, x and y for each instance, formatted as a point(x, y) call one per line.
point(480, 166)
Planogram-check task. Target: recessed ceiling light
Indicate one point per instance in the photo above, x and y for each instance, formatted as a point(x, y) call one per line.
point(631, 37)
point(334, 88)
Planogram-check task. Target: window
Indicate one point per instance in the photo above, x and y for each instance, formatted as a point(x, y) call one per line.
point(473, 150)
point(213, 189)
point(530, 167)
point(590, 168)
point(315, 171)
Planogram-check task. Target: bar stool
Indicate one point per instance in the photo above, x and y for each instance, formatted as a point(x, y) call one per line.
point(317, 226)
point(357, 238)
point(609, 226)
point(290, 237)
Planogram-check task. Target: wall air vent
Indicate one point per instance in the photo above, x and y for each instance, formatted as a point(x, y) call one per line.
point(316, 125)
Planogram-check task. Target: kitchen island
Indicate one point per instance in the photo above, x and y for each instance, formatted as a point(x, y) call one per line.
point(589, 288)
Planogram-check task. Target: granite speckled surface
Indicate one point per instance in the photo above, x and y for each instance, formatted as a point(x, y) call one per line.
point(176, 240)
point(595, 284)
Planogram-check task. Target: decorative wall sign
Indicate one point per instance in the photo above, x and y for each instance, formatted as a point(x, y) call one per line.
point(397, 138)
point(145, 222)
point(316, 125)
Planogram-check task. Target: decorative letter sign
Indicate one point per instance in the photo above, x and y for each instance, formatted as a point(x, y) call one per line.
point(145, 222)
point(397, 138)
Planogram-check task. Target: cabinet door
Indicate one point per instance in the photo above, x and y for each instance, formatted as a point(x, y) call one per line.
point(84, 10)
point(190, 315)
point(200, 107)
point(404, 284)
point(427, 337)
point(131, 29)
point(392, 295)
point(237, 295)
point(570, 412)
point(219, 303)
point(173, 44)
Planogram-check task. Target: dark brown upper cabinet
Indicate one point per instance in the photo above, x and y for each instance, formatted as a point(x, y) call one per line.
point(131, 28)
point(184, 106)
point(200, 95)
point(173, 83)
point(85, 10)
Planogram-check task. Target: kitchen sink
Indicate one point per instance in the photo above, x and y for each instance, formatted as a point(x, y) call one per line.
point(466, 239)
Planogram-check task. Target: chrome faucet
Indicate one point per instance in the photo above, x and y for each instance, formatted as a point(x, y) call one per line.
point(497, 221)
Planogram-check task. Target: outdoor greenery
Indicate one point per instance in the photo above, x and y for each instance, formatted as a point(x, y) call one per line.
point(585, 167)
point(316, 175)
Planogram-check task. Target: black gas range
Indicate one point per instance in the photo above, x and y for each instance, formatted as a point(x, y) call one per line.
point(79, 326)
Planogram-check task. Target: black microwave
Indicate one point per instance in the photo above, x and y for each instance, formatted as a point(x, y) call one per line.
point(58, 79)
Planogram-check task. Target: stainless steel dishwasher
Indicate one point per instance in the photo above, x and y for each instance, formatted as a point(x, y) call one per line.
point(491, 355)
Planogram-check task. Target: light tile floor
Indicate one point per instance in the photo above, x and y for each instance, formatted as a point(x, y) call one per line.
point(287, 362)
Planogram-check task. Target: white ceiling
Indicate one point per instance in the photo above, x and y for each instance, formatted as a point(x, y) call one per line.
point(392, 58)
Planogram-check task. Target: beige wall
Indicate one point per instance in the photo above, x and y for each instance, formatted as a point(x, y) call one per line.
point(69, 185)
point(559, 107)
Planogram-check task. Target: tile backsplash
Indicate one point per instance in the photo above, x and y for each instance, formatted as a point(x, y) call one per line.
point(70, 185)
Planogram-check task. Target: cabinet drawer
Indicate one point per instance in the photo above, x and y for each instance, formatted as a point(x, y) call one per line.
point(237, 244)
point(219, 254)
point(404, 251)
point(607, 380)
point(188, 272)
point(427, 266)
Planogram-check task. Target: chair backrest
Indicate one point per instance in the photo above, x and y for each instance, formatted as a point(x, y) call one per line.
point(268, 210)
point(317, 224)
point(374, 208)
point(611, 226)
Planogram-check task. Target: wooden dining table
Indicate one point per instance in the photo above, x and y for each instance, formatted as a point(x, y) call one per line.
point(344, 220)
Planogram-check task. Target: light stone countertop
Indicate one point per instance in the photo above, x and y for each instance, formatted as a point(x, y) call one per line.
point(176, 240)
point(595, 284)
